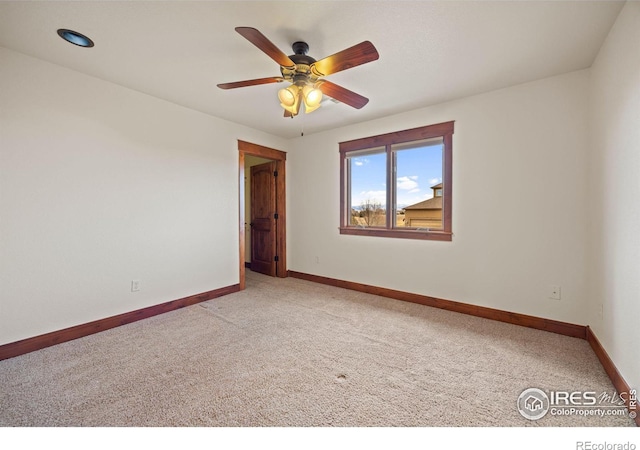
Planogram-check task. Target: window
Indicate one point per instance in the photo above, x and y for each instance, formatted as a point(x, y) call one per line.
point(398, 184)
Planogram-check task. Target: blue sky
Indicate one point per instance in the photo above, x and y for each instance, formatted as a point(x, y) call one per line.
point(417, 170)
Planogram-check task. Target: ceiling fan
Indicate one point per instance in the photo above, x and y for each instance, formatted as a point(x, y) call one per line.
point(306, 74)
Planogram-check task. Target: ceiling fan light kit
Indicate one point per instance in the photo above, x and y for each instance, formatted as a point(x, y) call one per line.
point(293, 97)
point(305, 74)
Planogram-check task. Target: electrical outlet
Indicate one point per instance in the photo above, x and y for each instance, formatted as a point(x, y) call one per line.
point(135, 285)
point(554, 292)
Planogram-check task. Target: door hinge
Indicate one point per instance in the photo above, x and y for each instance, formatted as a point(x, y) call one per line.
point(275, 216)
point(276, 258)
point(275, 173)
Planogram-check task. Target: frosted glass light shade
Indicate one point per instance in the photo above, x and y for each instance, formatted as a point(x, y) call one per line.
point(312, 96)
point(287, 96)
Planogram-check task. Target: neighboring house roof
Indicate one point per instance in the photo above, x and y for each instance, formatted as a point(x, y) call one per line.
point(432, 203)
point(437, 186)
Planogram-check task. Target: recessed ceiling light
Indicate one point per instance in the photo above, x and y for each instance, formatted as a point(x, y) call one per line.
point(75, 38)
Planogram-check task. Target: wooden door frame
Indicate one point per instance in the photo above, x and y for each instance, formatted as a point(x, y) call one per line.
point(280, 157)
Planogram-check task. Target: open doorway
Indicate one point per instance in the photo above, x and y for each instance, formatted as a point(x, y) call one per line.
point(262, 237)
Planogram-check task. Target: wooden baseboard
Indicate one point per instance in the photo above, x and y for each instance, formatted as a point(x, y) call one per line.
point(567, 329)
point(57, 337)
point(612, 371)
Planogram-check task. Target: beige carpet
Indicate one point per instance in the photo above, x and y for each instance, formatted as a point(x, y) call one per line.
point(287, 352)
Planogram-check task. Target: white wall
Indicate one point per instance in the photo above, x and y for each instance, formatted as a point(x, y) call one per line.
point(519, 204)
point(101, 185)
point(615, 194)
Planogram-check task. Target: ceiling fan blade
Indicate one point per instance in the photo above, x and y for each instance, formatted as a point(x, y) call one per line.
point(341, 94)
point(361, 53)
point(259, 40)
point(239, 84)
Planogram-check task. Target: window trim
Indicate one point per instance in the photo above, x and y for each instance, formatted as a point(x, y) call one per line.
point(443, 130)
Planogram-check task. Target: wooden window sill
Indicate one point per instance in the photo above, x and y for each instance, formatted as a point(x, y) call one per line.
point(395, 233)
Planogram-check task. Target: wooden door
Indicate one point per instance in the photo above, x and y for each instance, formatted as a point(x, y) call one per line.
point(263, 218)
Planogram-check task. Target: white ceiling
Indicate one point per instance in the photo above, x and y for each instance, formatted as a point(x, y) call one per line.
point(430, 51)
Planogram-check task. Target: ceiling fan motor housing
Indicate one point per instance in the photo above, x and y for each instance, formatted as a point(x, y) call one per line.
point(301, 74)
point(300, 50)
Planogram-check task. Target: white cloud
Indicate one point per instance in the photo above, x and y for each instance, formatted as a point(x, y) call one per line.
point(407, 183)
point(360, 161)
point(434, 181)
point(413, 191)
point(376, 196)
